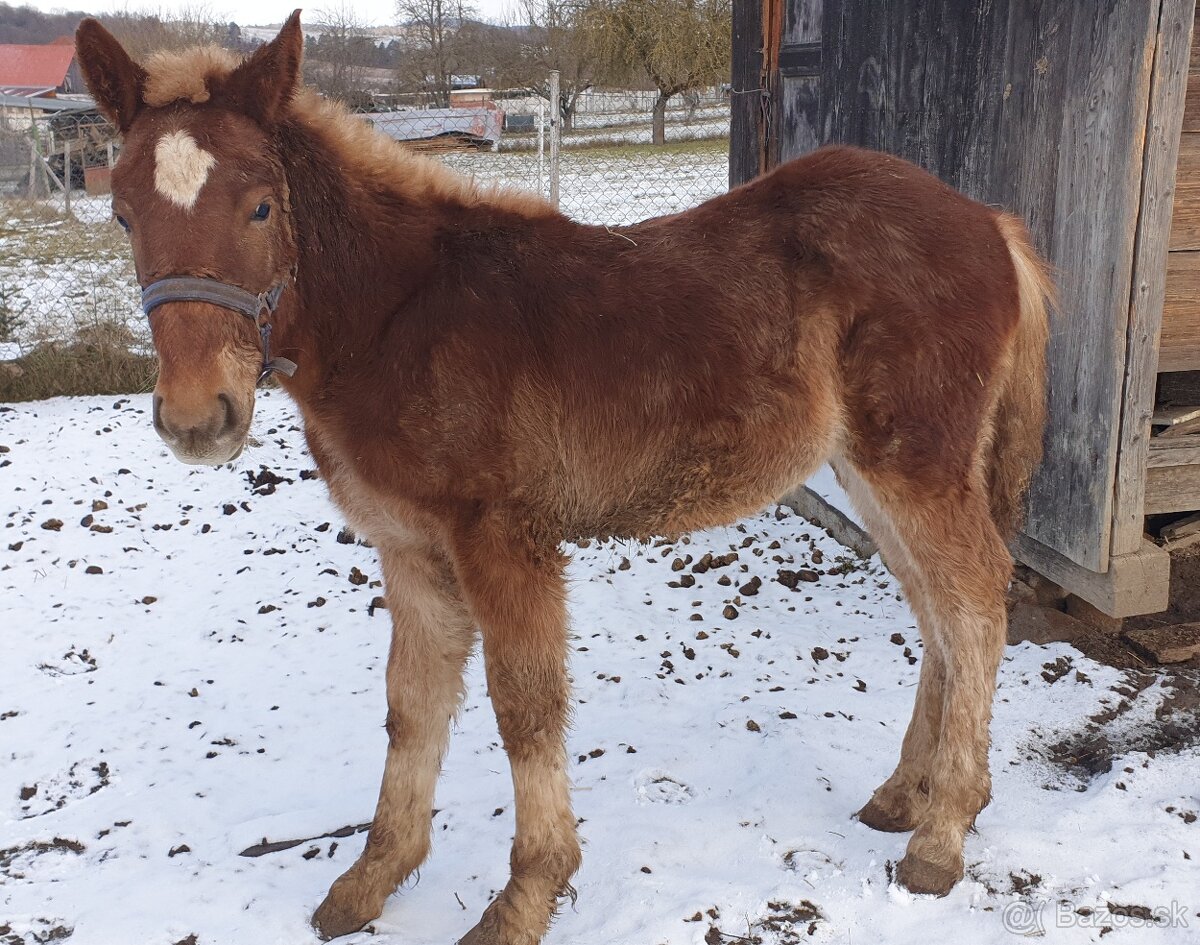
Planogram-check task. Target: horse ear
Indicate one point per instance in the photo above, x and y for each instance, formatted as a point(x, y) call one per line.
point(115, 80)
point(264, 84)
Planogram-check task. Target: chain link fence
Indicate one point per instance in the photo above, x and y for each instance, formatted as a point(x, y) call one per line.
point(66, 275)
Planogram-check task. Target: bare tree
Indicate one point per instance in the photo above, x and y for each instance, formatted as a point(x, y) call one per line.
point(337, 69)
point(435, 45)
point(551, 37)
point(189, 25)
point(680, 45)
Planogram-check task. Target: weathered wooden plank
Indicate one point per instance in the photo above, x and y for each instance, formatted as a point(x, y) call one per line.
point(1168, 88)
point(801, 58)
point(1172, 417)
point(1188, 456)
point(1038, 107)
point(1179, 343)
point(771, 139)
point(854, 77)
point(746, 94)
point(803, 22)
point(1182, 533)
point(1173, 451)
point(1185, 221)
point(1136, 583)
point(1180, 351)
point(1183, 281)
point(1172, 489)
point(813, 506)
point(1194, 60)
point(1108, 61)
point(1191, 105)
point(1180, 354)
point(800, 114)
point(1179, 387)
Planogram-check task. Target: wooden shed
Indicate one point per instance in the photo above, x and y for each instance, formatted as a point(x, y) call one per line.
point(1074, 114)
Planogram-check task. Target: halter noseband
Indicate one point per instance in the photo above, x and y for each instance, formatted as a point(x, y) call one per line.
point(197, 289)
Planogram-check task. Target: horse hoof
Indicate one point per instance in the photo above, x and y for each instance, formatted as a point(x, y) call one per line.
point(921, 876)
point(333, 918)
point(878, 817)
point(486, 932)
point(492, 929)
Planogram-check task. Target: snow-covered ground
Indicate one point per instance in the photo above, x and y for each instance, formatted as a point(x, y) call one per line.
point(191, 665)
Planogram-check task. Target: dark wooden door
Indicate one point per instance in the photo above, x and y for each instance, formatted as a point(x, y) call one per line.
point(1036, 106)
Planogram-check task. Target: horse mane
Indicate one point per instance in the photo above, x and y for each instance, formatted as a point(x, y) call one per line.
point(368, 155)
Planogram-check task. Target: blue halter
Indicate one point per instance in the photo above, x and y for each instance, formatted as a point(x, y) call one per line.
point(197, 289)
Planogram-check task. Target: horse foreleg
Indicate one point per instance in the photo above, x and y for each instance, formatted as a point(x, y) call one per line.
point(432, 637)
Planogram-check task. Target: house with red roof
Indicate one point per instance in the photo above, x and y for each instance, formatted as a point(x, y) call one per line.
point(40, 71)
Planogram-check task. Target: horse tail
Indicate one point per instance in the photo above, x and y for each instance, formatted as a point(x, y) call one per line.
point(1020, 416)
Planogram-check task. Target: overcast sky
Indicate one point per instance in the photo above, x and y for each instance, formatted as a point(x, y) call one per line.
point(254, 12)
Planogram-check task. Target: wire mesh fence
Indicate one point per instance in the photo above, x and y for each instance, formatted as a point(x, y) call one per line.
point(66, 272)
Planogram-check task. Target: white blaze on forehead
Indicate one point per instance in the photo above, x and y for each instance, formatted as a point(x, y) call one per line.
point(181, 168)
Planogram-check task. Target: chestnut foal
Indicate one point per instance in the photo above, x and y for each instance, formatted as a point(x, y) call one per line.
point(481, 378)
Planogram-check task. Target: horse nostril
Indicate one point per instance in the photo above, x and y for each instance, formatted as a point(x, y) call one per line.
point(231, 414)
point(157, 414)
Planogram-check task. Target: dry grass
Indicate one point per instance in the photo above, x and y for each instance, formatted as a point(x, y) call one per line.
point(72, 324)
point(101, 359)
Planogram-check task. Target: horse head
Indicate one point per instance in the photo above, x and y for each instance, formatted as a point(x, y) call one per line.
point(201, 190)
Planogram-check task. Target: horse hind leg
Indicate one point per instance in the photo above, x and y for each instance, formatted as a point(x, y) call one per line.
point(900, 802)
point(957, 559)
point(518, 596)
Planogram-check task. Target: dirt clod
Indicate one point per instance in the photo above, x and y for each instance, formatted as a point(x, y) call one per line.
point(1170, 644)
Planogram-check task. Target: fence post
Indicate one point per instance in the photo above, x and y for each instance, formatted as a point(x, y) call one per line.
point(555, 132)
point(541, 146)
point(35, 165)
point(67, 172)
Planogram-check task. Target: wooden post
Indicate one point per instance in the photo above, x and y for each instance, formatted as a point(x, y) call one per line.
point(109, 147)
point(768, 134)
point(1168, 90)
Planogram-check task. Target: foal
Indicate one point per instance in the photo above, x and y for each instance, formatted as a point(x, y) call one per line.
point(481, 378)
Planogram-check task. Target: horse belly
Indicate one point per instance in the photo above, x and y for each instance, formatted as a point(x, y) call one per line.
point(670, 484)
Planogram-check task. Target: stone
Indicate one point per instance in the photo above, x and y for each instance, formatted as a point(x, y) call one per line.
point(1172, 644)
point(1028, 621)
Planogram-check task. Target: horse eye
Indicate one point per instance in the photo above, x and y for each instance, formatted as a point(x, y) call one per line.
point(124, 223)
point(262, 211)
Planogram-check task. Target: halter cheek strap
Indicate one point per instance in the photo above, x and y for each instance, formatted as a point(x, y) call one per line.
point(197, 289)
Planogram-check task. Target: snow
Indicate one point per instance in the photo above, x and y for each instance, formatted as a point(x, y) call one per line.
point(220, 682)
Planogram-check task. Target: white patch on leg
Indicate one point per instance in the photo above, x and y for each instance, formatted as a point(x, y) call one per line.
point(181, 168)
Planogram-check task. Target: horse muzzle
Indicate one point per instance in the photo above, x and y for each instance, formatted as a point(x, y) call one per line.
point(206, 434)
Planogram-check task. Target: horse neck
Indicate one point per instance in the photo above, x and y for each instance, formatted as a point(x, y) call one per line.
point(363, 245)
